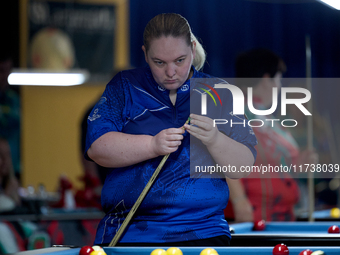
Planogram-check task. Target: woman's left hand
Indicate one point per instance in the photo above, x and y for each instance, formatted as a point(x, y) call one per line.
point(223, 149)
point(202, 128)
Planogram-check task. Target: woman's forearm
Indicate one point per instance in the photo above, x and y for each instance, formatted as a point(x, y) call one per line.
point(228, 152)
point(115, 149)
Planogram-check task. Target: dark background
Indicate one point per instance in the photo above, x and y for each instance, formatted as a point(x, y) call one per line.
point(228, 27)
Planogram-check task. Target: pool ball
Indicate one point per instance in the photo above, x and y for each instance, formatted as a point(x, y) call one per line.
point(306, 252)
point(174, 251)
point(259, 225)
point(280, 249)
point(335, 213)
point(209, 251)
point(97, 248)
point(334, 229)
point(98, 252)
point(158, 252)
point(85, 250)
point(318, 253)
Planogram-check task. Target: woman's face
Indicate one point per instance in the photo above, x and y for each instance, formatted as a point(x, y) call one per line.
point(170, 60)
point(266, 93)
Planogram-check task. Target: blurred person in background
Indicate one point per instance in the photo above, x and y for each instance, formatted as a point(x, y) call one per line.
point(272, 196)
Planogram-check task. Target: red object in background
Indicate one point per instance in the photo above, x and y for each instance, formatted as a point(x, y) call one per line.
point(89, 197)
point(334, 229)
point(90, 227)
point(55, 233)
point(64, 185)
point(18, 238)
point(306, 252)
point(259, 225)
point(280, 249)
point(90, 181)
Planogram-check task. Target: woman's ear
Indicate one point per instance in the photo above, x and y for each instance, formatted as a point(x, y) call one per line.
point(193, 49)
point(145, 55)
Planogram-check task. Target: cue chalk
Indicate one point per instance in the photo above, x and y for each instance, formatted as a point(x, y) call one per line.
point(139, 200)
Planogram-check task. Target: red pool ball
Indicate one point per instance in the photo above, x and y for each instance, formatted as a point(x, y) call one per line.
point(280, 249)
point(334, 229)
point(259, 225)
point(306, 252)
point(85, 250)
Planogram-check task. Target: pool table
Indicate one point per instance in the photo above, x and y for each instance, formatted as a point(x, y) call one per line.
point(298, 233)
point(321, 215)
point(186, 250)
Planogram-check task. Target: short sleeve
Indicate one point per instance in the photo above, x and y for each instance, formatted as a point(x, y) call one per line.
point(243, 133)
point(237, 126)
point(216, 102)
point(108, 114)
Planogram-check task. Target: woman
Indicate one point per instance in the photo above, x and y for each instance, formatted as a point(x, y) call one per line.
point(273, 195)
point(137, 121)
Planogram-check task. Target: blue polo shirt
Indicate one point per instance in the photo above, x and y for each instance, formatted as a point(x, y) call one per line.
point(177, 208)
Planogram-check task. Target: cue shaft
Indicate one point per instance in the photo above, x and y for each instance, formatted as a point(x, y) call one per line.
point(139, 200)
point(310, 127)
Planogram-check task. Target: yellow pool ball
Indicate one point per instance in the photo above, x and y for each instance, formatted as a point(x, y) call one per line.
point(158, 252)
point(209, 251)
point(335, 213)
point(174, 251)
point(98, 252)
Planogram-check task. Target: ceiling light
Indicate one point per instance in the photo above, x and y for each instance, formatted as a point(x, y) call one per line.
point(47, 78)
point(333, 3)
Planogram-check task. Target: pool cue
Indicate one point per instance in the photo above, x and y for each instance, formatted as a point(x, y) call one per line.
point(139, 200)
point(310, 128)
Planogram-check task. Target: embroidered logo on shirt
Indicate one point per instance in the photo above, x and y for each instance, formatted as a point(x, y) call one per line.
point(102, 100)
point(161, 89)
point(94, 115)
point(119, 215)
point(185, 87)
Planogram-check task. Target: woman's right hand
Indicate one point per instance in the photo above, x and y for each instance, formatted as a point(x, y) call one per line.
point(167, 141)
point(117, 149)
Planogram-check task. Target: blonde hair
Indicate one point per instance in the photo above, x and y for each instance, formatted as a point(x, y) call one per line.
point(173, 24)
